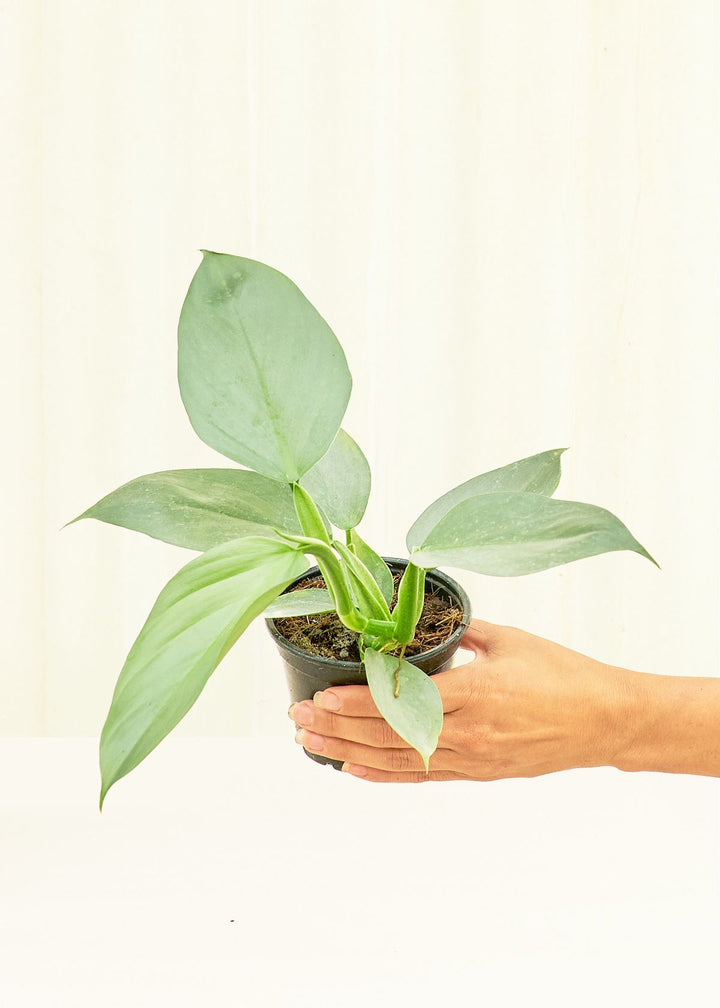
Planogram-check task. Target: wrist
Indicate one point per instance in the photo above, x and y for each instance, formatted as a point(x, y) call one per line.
point(622, 714)
point(635, 711)
point(669, 724)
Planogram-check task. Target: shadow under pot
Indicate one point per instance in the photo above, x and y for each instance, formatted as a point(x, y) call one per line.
point(307, 673)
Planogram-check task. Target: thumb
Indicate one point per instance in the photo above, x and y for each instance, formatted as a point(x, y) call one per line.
point(481, 637)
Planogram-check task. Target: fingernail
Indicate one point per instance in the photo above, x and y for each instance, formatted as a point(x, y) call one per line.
point(309, 740)
point(327, 701)
point(291, 708)
point(302, 713)
point(356, 771)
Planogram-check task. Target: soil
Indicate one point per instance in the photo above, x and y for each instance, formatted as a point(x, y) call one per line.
point(323, 634)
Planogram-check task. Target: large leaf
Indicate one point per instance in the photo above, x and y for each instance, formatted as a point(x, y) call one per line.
point(539, 474)
point(199, 508)
point(262, 376)
point(196, 619)
point(375, 564)
point(416, 714)
point(340, 482)
point(303, 602)
point(518, 533)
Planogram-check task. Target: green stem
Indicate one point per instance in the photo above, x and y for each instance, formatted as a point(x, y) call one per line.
point(381, 628)
point(397, 672)
point(335, 571)
point(369, 597)
point(336, 581)
point(411, 596)
point(314, 528)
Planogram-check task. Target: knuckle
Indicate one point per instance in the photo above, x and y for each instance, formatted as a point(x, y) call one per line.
point(329, 724)
point(385, 736)
point(337, 749)
point(400, 760)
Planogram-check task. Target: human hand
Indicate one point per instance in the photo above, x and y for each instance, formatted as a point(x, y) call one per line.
point(523, 706)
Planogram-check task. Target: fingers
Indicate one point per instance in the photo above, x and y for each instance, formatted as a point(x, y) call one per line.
point(343, 723)
point(401, 761)
point(390, 777)
point(352, 701)
point(371, 731)
point(357, 701)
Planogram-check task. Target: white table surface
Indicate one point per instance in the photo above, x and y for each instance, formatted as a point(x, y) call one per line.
point(237, 872)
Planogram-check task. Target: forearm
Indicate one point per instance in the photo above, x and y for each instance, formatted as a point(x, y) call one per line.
point(672, 725)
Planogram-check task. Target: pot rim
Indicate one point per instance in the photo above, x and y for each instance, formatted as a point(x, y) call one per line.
point(446, 583)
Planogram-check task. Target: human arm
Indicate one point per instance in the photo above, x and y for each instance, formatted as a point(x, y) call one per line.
point(677, 725)
point(525, 706)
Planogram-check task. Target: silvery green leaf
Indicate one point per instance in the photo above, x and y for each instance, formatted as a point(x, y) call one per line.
point(539, 474)
point(507, 534)
point(416, 714)
point(196, 619)
point(303, 602)
point(199, 508)
point(340, 482)
point(375, 564)
point(262, 376)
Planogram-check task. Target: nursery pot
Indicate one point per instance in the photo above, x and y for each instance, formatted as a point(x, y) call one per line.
point(307, 674)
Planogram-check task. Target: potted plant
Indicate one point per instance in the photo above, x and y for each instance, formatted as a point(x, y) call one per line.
point(266, 383)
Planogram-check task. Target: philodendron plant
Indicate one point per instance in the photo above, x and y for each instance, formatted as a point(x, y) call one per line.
point(266, 383)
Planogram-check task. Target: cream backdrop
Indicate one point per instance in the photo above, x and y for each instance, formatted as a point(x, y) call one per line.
point(508, 213)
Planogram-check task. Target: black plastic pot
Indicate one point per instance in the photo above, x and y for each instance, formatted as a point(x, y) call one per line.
point(306, 673)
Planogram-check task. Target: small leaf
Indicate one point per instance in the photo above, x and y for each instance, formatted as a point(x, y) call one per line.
point(340, 482)
point(303, 602)
point(507, 534)
point(196, 619)
point(312, 521)
point(262, 376)
point(539, 474)
point(375, 564)
point(199, 508)
point(416, 714)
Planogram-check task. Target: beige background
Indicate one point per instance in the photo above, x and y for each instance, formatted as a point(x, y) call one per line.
point(508, 212)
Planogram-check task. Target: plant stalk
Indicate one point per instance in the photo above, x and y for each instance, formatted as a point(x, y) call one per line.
point(337, 584)
point(411, 596)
